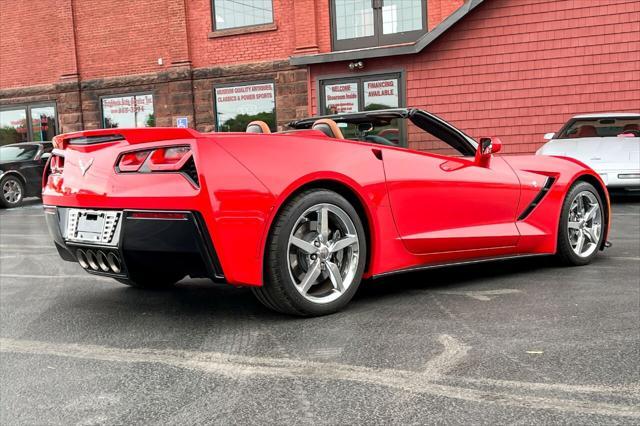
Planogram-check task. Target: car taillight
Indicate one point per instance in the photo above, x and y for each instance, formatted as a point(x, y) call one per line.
point(169, 159)
point(132, 161)
point(178, 159)
point(56, 164)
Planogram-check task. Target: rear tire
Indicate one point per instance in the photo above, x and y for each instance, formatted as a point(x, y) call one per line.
point(315, 255)
point(582, 224)
point(12, 192)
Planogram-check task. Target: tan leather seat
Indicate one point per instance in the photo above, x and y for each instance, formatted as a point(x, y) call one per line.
point(258, 127)
point(328, 127)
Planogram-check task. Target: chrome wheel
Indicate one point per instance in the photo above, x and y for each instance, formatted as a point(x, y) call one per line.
point(12, 191)
point(585, 224)
point(323, 253)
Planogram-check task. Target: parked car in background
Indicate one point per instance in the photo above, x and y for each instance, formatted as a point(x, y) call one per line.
point(21, 168)
point(608, 143)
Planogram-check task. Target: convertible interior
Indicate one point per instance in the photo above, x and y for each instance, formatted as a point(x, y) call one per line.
point(403, 127)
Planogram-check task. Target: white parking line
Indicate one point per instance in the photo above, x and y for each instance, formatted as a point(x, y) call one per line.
point(425, 382)
point(27, 234)
point(484, 295)
point(49, 277)
point(25, 246)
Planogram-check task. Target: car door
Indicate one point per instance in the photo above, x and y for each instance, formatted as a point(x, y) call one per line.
point(32, 169)
point(450, 203)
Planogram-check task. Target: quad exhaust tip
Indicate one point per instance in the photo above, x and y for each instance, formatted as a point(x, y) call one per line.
point(99, 261)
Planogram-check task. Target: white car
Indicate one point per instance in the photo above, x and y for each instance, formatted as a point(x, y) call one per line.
point(608, 143)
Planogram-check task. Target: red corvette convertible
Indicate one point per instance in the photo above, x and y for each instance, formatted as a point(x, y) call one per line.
point(302, 216)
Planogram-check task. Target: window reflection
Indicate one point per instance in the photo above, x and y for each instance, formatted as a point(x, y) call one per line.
point(237, 106)
point(13, 126)
point(128, 111)
point(43, 123)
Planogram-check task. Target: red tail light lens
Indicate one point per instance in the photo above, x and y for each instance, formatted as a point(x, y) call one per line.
point(158, 215)
point(177, 159)
point(169, 159)
point(56, 164)
point(132, 161)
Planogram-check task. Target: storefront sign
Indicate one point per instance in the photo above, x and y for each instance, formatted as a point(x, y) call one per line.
point(236, 106)
point(381, 94)
point(341, 98)
point(128, 111)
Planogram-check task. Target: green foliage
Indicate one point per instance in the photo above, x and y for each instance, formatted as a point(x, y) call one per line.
point(375, 107)
point(9, 135)
point(239, 122)
point(151, 121)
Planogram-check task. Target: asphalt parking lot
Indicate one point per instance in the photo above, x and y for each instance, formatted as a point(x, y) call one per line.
point(507, 342)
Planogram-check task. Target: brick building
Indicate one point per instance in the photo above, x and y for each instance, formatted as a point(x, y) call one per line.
point(512, 68)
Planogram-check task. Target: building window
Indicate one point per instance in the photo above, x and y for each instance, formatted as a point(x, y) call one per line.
point(134, 110)
point(27, 123)
point(238, 105)
point(367, 23)
point(355, 94)
point(368, 93)
point(229, 14)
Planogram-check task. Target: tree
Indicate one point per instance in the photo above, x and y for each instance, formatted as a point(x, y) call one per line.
point(239, 122)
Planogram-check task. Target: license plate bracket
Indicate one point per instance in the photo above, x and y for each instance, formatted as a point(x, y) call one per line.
point(93, 226)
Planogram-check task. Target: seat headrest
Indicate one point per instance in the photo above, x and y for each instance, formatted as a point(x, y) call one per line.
point(586, 131)
point(328, 127)
point(258, 127)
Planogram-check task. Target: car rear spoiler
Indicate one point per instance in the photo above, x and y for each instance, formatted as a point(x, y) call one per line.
point(133, 136)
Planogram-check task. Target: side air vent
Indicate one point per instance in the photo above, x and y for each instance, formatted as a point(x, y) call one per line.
point(190, 172)
point(539, 197)
point(90, 140)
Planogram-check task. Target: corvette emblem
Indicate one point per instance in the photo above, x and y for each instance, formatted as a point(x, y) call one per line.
point(85, 166)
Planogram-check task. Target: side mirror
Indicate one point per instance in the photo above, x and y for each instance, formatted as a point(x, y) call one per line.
point(549, 136)
point(486, 148)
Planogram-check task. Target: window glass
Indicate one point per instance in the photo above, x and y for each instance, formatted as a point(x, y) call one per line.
point(13, 126)
point(18, 153)
point(341, 98)
point(400, 16)
point(381, 94)
point(601, 128)
point(237, 106)
point(128, 111)
point(370, 93)
point(43, 123)
point(242, 13)
point(353, 19)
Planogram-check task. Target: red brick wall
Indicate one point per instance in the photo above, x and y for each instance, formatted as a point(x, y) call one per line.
point(121, 37)
point(520, 68)
point(32, 53)
point(124, 37)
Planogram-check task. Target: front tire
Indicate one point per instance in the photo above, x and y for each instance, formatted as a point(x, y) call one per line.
point(11, 192)
point(582, 226)
point(315, 257)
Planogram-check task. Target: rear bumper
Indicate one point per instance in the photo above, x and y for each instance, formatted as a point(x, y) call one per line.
point(180, 243)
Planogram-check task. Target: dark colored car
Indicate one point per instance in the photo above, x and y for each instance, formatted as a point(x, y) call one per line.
point(21, 168)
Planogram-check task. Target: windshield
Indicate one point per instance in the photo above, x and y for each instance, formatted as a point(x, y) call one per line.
point(600, 128)
point(18, 152)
